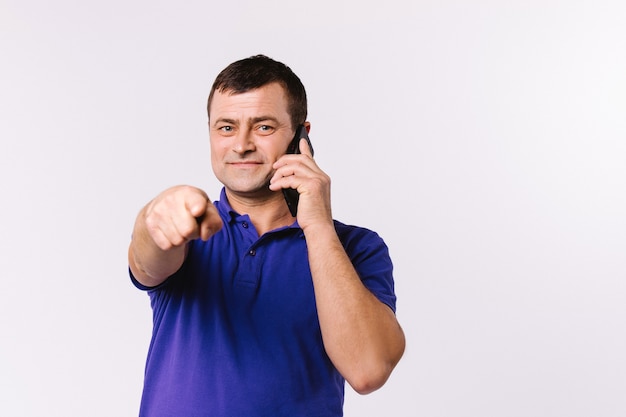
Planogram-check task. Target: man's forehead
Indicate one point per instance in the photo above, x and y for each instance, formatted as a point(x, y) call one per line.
point(268, 100)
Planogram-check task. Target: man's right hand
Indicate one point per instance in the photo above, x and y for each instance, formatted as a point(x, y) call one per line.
point(164, 227)
point(180, 214)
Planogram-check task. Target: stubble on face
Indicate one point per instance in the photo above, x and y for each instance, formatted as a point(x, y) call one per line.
point(248, 133)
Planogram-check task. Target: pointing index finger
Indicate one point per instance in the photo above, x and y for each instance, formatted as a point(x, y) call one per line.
point(209, 222)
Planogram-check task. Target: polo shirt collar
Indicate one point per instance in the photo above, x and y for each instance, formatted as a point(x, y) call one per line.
point(227, 212)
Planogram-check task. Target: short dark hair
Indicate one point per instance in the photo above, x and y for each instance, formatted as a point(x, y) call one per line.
point(257, 71)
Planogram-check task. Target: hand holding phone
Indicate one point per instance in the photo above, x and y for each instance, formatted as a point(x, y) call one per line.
point(292, 196)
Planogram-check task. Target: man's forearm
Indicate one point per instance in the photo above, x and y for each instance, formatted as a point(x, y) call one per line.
point(361, 334)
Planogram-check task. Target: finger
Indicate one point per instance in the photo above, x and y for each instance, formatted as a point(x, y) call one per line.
point(209, 223)
point(160, 240)
point(281, 174)
point(185, 228)
point(291, 176)
point(163, 231)
point(196, 202)
point(305, 148)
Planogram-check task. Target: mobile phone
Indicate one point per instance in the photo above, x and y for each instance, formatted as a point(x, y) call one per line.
point(291, 195)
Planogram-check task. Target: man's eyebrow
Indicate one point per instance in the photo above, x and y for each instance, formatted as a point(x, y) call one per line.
point(251, 121)
point(225, 120)
point(259, 119)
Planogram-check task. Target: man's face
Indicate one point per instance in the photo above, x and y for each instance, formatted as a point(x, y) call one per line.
point(248, 133)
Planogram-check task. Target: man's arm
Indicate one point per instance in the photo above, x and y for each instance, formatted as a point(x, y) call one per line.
point(361, 334)
point(163, 229)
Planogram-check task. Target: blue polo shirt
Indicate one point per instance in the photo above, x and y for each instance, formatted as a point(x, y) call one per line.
point(236, 331)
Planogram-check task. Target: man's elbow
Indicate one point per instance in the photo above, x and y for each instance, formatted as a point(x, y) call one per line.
point(369, 380)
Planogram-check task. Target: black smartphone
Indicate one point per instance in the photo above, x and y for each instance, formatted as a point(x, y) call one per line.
point(291, 195)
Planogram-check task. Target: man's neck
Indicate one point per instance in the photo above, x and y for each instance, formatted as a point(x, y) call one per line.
point(266, 214)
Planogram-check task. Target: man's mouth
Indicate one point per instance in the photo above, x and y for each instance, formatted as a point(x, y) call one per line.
point(244, 163)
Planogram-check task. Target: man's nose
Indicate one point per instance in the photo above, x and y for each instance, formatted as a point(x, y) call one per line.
point(244, 141)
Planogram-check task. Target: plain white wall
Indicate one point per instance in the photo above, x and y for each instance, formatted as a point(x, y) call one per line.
point(485, 141)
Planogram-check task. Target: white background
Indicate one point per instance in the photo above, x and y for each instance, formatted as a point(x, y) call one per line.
point(485, 141)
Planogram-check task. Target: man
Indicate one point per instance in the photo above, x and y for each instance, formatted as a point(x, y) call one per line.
point(258, 313)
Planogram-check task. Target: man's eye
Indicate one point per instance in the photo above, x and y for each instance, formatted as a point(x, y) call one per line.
point(265, 130)
point(226, 128)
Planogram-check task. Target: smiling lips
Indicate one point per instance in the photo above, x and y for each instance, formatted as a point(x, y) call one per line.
point(244, 163)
